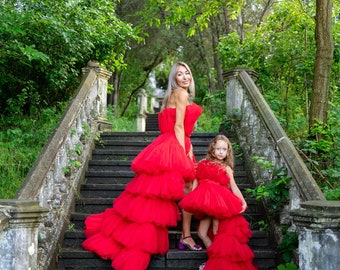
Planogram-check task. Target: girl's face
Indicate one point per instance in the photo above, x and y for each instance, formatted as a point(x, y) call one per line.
point(183, 77)
point(221, 150)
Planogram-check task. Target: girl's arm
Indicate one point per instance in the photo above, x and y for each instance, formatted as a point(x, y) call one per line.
point(235, 189)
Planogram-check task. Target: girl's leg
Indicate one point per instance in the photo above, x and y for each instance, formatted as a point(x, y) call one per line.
point(203, 231)
point(215, 225)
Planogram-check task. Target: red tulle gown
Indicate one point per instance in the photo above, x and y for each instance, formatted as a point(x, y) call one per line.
point(136, 226)
point(212, 197)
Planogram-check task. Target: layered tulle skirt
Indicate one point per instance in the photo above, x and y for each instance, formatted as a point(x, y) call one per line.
point(230, 249)
point(211, 199)
point(136, 226)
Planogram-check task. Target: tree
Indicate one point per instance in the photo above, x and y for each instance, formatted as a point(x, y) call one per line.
point(199, 15)
point(323, 62)
point(44, 45)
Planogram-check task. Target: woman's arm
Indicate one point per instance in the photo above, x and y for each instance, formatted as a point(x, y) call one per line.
point(181, 101)
point(235, 189)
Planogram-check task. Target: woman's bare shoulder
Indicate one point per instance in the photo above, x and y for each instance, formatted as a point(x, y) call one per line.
point(178, 95)
point(180, 92)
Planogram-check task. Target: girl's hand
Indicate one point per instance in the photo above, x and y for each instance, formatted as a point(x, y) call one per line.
point(194, 184)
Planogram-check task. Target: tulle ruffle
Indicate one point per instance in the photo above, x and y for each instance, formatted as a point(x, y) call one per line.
point(142, 209)
point(167, 118)
point(103, 246)
point(131, 259)
point(211, 199)
point(230, 249)
point(120, 232)
point(165, 154)
point(208, 169)
point(224, 263)
point(167, 185)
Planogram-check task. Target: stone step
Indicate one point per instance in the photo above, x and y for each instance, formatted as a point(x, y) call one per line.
point(112, 190)
point(149, 135)
point(113, 165)
point(151, 123)
point(127, 154)
point(74, 238)
point(77, 220)
point(124, 177)
point(174, 259)
point(95, 205)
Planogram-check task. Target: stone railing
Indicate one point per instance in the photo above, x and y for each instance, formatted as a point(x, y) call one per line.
point(260, 134)
point(32, 223)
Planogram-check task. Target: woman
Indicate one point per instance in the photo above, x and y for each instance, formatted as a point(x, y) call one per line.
point(136, 226)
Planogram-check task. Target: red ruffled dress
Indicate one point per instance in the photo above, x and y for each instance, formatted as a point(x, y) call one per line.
point(136, 226)
point(213, 197)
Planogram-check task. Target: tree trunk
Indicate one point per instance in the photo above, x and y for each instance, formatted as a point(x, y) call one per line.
point(217, 63)
point(323, 62)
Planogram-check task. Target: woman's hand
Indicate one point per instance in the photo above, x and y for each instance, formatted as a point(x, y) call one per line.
point(191, 153)
point(244, 207)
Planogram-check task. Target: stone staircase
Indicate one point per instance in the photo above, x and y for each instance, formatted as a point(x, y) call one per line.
point(109, 172)
point(151, 123)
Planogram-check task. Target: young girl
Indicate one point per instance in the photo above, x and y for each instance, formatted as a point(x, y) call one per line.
point(218, 203)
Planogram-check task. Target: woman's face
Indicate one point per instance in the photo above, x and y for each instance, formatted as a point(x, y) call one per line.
point(221, 150)
point(183, 77)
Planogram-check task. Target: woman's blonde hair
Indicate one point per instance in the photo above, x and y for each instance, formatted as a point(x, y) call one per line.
point(172, 84)
point(229, 159)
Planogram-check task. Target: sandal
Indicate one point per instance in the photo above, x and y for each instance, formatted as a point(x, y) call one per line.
point(202, 266)
point(183, 246)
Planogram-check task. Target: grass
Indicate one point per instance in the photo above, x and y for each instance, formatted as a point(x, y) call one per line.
point(21, 140)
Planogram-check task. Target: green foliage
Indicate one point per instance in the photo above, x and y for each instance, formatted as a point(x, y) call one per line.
point(263, 225)
point(127, 123)
point(208, 122)
point(21, 140)
point(276, 192)
point(322, 156)
point(276, 196)
point(196, 13)
point(282, 51)
point(44, 45)
point(288, 244)
point(214, 110)
point(287, 266)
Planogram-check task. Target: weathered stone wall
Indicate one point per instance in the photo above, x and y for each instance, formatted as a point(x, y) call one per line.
point(41, 207)
point(318, 224)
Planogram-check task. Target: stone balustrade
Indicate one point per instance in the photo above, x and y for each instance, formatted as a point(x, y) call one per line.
point(315, 220)
point(33, 222)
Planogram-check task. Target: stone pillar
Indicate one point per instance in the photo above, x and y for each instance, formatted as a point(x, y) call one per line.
point(235, 95)
point(142, 109)
point(19, 241)
point(103, 76)
point(318, 226)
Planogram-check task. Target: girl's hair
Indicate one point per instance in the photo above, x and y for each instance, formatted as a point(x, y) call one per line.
point(172, 84)
point(229, 159)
